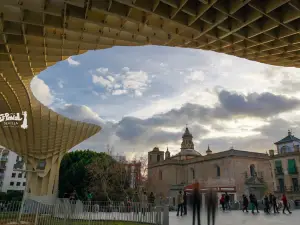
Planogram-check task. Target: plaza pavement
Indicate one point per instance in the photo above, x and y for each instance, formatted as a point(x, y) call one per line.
point(240, 218)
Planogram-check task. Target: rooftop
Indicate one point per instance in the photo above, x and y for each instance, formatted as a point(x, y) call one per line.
point(287, 139)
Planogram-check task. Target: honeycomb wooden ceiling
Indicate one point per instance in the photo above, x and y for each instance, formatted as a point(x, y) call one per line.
point(36, 34)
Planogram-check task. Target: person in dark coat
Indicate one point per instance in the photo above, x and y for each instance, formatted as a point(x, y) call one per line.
point(267, 204)
point(196, 202)
point(245, 203)
point(211, 206)
point(274, 203)
point(227, 201)
point(255, 203)
point(184, 203)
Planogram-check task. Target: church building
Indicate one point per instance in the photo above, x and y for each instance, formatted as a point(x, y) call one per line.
point(233, 171)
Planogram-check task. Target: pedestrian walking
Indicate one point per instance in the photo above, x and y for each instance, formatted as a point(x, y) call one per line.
point(179, 203)
point(254, 203)
point(274, 203)
point(184, 202)
point(211, 205)
point(267, 204)
point(227, 201)
point(245, 203)
point(222, 202)
point(285, 204)
point(196, 201)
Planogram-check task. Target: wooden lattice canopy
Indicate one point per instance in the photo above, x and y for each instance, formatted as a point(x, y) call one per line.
point(36, 34)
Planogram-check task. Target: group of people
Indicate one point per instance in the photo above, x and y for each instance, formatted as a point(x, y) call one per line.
point(195, 201)
point(270, 201)
point(225, 201)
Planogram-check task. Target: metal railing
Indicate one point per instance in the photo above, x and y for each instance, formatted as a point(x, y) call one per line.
point(65, 212)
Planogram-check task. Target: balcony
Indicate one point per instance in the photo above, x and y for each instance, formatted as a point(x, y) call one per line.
point(278, 171)
point(293, 189)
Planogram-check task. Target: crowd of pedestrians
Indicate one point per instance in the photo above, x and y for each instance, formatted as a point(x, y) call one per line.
point(269, 201)
point(195, 200)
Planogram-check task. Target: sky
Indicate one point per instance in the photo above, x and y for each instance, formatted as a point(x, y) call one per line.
point(144, 97)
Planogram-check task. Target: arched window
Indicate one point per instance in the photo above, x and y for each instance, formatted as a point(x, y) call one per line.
point(218, 170)
point(160, 175)
point(193, 173)
point(158, 158)
point(252, 170)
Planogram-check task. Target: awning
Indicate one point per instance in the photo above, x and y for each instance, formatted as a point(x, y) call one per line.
point(292, 166)
point(278, 164)
point(191, 187)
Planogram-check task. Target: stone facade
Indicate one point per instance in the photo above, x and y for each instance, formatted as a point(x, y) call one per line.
point(285, 166)
point(239, 172)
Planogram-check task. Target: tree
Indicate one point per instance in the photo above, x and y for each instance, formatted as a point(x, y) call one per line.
point(111, 179)
point(73, 173)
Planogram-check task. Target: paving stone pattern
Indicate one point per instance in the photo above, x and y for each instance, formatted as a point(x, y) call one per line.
point(240, 218)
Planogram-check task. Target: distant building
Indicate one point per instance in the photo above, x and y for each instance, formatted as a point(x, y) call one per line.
point(286, 166)
point(234, 171)
point(10, 178)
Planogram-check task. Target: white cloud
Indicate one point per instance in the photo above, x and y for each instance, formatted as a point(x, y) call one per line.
point(119, 92)
point(132, 82)
point(195, 75)
point(135, 80)
point(102, 81)
point(41, 91)
point(60, 84)
point(102, 70)
point(73, 62)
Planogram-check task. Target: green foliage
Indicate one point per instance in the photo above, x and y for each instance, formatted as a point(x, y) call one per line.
point(73, 174)
point(11, 196)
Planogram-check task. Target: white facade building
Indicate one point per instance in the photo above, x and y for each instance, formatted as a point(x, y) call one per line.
point(288, 144)
point(11, 180)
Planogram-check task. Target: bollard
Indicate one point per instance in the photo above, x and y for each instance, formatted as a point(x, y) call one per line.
point(166, 214)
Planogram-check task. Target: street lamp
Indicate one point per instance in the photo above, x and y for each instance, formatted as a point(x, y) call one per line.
point(25, 191)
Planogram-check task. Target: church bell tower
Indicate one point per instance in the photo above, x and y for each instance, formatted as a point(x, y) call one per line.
point(187, 140)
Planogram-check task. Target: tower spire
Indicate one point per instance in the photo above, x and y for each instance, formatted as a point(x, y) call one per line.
point(187, 140)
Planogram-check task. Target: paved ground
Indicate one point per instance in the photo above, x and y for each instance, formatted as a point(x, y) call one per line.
point(240, 218)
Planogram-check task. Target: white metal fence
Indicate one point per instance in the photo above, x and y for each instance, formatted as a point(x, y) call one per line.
point(64, 212)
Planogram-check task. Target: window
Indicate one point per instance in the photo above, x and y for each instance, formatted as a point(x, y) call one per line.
point(296, 148)
point(193, 173)
point(11, 183)
point(278, 167)
point(24, 175)
point(252, 170)
point(292, 169)
point(158, 158)
point(281, 185)
point(295, 184)
point(13, 175)
point(20, 175)
point(24, 183)
point(284, 149)
point(160, 175)
point(218, 170)
point(18, 183)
